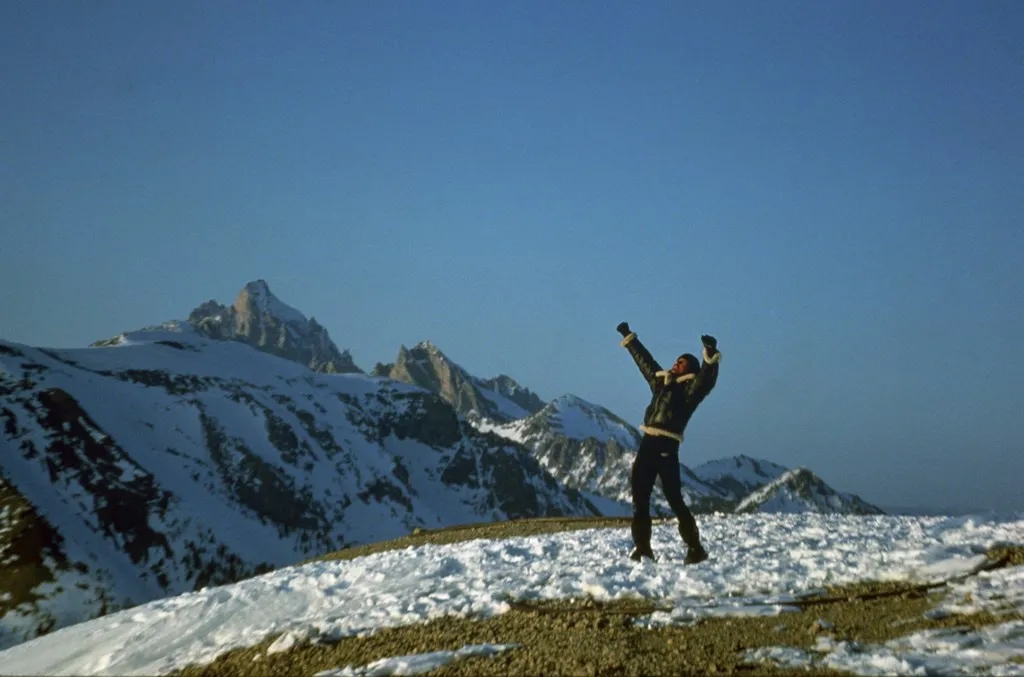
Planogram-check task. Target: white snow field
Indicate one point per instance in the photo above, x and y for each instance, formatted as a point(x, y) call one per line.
point(759, 563)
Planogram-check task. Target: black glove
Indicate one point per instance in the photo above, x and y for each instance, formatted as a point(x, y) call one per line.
point(623, 328)
point(710, 344)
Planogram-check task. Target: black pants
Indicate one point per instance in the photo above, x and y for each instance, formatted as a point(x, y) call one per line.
point(659, 457)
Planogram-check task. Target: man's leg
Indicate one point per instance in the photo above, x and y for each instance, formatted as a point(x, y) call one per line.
point(645, 471)
point(668, 470)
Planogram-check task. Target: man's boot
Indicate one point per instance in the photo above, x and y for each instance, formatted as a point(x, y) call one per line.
point(641, 530)
point(695, 554)
point(639, 554)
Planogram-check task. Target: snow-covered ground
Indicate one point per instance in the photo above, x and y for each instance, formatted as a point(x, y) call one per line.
point(759, 563)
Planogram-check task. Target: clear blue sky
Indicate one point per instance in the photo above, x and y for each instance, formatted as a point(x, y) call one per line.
point(834, 189)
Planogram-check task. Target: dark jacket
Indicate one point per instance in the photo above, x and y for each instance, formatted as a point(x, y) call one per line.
point(673, 398)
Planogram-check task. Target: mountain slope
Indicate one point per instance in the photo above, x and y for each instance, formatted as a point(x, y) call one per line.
point(173, 461)
point(800, 490)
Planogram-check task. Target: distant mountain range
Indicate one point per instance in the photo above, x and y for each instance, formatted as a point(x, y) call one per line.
point(242, 439)
point(800, 490)
point(586, 447)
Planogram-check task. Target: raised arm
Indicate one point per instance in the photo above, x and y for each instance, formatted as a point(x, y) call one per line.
point(708, 375)
point(649, 367)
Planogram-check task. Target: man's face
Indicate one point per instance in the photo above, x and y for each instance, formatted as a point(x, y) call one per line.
point(681, 366)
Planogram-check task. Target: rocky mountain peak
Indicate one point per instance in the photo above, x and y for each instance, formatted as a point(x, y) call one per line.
point(262, 320)
point(575, 418)
point(428, 347)
point(508, 387)
point(569, 400)
point(424, 365)
point(255, 298)
point(257, 287)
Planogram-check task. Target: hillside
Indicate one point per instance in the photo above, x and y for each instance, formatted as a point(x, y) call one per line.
point(781, 592)
point(172, 461)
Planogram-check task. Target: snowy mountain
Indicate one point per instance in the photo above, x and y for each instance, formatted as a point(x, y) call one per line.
point(587, 447)
point(736, 477)
point(800, 490)
point(584, 446)
point(170, 461)
point(497, 399)
point(263, 321)
point(572, 418)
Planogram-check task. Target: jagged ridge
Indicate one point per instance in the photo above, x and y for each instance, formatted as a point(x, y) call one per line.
point(499, 398)
point(800, 490)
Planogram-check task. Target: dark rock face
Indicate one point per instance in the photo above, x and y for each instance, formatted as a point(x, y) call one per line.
point(33, 553)
point(509, 477)
point(462, 469)
point(259, 486)
point(427, 419)
point(79, 451)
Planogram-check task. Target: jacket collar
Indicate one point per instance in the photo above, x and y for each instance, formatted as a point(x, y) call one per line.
point(667, 376)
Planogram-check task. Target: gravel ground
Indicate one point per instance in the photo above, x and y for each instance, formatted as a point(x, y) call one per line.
point(582, 637)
